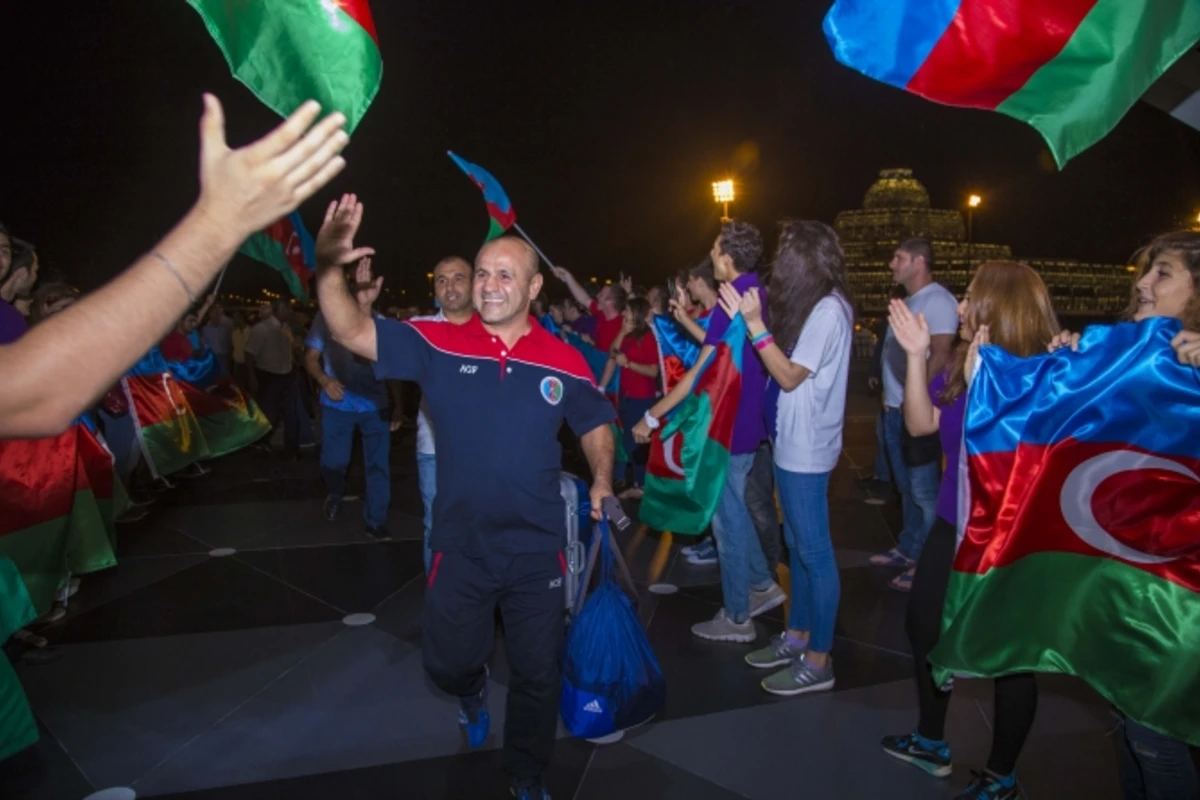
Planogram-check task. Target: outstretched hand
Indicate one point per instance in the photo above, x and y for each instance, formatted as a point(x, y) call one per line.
point(366, 286)
point(335, 241)
point(911, 332)
point(247, 189)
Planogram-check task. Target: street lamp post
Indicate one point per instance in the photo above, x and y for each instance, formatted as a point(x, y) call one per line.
point(723, 194)
point(972, 203)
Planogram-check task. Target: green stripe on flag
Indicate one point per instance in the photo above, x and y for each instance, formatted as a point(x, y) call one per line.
point(174, 445)
point(264, 249)
point(1119, 49)
point(687, 504)
point(230, 431)
point(1061, 612)
point(288, 52)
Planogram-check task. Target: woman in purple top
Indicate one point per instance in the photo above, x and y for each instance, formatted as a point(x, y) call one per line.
point(1008, 303)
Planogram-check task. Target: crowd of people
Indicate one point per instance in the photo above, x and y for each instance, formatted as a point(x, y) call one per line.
point(494, 527)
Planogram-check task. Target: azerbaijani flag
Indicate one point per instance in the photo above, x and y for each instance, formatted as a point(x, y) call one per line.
point(18, 728)
point(689, 455)
point(1079, 534)
point(290, 51)
point(503, 215)
point(287, 248)
point(57, 510)
point(1069, 68)
point(677, 351)
point(229, 419)
point(168, 431)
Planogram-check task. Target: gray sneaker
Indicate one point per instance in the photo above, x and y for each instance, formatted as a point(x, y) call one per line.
point(800, 677)
point(779, 652)
point(767, 599)
point(722, 629)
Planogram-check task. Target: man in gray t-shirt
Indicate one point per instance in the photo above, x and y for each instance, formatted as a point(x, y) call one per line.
point(912, 266)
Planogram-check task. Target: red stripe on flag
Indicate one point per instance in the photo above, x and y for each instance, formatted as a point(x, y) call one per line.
point(992, 47)
point(39, 480)
point(1018, 499)
point(156, 399)
point(505, 218)
point(360, 12)
point(723, 382)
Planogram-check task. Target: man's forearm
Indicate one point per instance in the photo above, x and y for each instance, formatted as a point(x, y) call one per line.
point(129, 314)
point(578, 292)
point(348, 324)
point(598, 448)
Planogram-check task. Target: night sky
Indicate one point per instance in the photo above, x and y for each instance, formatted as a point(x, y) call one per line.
point(605, 122)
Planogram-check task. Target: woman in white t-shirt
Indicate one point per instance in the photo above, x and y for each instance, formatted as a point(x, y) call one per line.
point(807, 353)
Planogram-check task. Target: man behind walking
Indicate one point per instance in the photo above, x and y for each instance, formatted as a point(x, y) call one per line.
point(352, 398)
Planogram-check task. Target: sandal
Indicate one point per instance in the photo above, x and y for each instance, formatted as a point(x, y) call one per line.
point(892, 558)
point(903, 582)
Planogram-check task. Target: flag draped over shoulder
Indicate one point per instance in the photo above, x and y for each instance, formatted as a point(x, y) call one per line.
point(689, 455)
point(288, 248)
point(290, 51)
point(677, 351)
point(58, 508)
point(1069, 68)
point(1079, 540)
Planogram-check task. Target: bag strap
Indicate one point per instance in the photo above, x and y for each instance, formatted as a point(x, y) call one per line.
point(605, 539)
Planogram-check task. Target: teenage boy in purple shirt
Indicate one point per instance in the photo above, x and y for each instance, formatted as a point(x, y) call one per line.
point(746, 583)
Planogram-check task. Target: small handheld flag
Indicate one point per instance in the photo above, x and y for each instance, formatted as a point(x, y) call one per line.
point(287, 248)
point(503, 215)
point(288, 52)
point(1069, 68)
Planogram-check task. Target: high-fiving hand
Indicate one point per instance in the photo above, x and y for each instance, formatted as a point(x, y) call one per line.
point(335, 241)
point(366, 286)
point(247, 189)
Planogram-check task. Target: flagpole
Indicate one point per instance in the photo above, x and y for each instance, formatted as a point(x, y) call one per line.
point(536, 249)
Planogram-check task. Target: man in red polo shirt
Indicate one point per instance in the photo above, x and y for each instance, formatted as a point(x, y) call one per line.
point(606, 308)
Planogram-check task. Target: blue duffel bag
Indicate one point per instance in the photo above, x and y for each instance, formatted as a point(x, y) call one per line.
point(611, 679)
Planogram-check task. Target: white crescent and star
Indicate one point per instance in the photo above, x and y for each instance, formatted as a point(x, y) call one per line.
point(1080, 486)
point(668, 447)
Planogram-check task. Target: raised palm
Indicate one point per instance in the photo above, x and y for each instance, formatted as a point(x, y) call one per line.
point(335, 240)
point(911, 332)
point(366, 286)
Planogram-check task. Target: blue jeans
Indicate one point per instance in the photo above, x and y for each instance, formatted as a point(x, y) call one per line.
point(918, 487)
point(631, 411)
point(816, 586)
point(743, 566)
point(337, 440)
point(427, 480)
point(1153, 766)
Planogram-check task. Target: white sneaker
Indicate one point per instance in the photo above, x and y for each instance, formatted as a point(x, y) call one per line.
point(722, 629)
point(767, 599)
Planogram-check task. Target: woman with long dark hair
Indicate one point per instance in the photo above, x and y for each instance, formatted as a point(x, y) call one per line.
point(1010, 303)
point(807, 354)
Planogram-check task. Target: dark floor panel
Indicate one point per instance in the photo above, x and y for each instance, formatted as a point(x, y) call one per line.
point(621, 771)
point(154, 536)
point(868, 611)
point(43, 772)
point(706, 677)
point(354, 578)
point(469, 776)
point(218, 594)
point(98, 588)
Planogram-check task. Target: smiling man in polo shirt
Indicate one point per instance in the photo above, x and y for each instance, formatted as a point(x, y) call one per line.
point(499, 389)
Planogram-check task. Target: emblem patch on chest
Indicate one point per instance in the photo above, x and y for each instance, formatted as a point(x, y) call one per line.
point(552, 390)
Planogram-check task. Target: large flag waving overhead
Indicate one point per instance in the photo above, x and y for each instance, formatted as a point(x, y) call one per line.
point(287, 248)
point(1069, 68)
point(503, 215)
point(689, 455)
point(1079, 545)
point(290, 51)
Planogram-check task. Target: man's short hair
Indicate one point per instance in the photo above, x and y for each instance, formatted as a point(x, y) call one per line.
point(530, 254)
point(704, 272)
point(453, 260)
point(919, 246)
point(743, 243)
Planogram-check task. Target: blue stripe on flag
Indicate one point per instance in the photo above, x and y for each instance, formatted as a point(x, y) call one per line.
point(887, 40)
